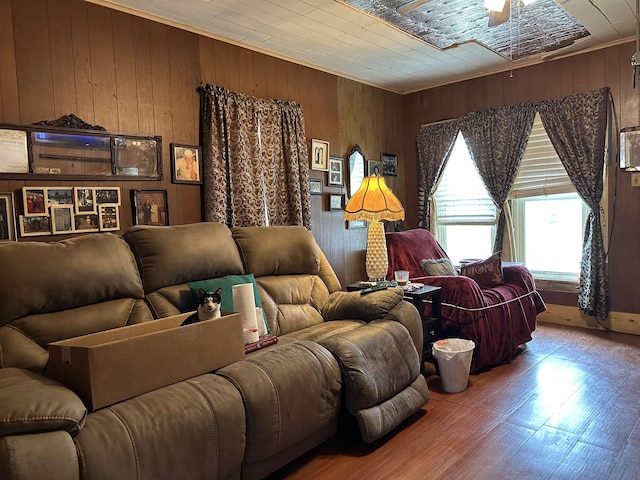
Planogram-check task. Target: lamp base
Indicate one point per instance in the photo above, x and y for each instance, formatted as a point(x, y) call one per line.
point(377, 262)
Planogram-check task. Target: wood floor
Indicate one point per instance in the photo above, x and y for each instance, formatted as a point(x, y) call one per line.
point(567, 407)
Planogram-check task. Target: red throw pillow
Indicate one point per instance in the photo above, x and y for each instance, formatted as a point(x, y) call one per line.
point(486, 273)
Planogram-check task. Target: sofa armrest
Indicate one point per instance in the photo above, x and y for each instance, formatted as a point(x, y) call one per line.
point(353, 305)
point(32, 403)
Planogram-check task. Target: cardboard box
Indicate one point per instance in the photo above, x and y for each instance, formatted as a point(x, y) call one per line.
point(107, 367)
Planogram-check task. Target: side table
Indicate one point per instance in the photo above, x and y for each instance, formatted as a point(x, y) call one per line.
point(431, 325)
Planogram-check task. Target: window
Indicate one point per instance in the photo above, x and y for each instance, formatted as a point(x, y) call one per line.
point(545, 208)
point(464, 210)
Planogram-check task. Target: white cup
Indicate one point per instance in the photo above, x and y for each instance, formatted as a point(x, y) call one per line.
point(402, 277)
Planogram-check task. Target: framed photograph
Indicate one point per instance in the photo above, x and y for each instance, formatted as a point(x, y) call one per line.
point(35, 201)
point(389, 164)
point(85, 198)
point(336, 171)
point(136, 156)
point(34, 225)
point(86, 222)
point(373, 168)
point(335, 201)
point(315, 186)
point(356, 224)
point(319, 155)
point(62, 219)
point(109, 217)
point(109, 195)
point(150, 207)
point(7, 218)
point(60, 195)
point(186, 164)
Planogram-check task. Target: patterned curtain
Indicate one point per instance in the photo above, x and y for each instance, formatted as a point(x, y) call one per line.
point(435, 143)
point(577, 127)
point(497, 139)
point(255, 160)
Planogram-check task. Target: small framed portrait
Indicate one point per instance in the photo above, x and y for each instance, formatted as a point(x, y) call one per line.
point(35, 201)
point(315, 186)
point(319, 155)
point(336, 171)
point(86, 222)
point(62, 219)
point(109, 195)
point(373, 168)
point(7, 218)
point(150, 207)
point(335, 201)
point(34, 225)
point(186, 163)
point(60, 195)
point(109, 217)
point(85, 199)
point(389, 164)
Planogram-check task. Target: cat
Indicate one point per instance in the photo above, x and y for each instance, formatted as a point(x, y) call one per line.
point(208, 307)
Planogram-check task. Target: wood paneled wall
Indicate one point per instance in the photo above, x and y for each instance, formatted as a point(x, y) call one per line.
point(133, 75)
point(607, 67)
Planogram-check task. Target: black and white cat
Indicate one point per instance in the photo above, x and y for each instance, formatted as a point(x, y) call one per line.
point(208, 307)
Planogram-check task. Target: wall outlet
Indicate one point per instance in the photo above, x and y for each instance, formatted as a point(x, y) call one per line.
point(635, 179)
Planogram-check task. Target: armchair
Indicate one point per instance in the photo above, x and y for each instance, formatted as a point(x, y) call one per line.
point(498, 318)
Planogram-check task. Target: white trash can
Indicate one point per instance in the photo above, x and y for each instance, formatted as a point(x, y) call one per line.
point(454, 362)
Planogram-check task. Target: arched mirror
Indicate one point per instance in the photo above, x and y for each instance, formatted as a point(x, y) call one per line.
point(356, 163)
point(355, 174)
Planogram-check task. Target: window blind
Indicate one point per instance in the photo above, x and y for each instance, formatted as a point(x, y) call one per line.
point(461, 197)
point(541, 172)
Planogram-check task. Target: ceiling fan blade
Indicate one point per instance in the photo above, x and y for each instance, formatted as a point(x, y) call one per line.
point(498, 18)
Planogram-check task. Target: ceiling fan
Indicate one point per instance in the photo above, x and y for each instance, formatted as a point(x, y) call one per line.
point(499, 10)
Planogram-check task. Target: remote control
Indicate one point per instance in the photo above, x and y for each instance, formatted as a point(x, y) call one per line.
point(364, 291)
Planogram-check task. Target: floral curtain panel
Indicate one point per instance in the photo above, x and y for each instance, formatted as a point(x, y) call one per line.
point(435, 143)
point(577, 127)
point(497, 139)
point(255, 160)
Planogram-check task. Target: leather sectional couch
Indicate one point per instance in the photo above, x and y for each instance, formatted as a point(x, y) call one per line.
point(337, 352)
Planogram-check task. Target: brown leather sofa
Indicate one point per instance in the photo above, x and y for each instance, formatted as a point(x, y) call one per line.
point(245, 420)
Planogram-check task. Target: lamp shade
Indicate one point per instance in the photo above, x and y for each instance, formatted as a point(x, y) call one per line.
point(374, 201)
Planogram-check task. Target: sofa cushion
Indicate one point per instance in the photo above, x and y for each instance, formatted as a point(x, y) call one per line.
point(32, 403)
point(440, 267)
point(226, 284)
point(183, 253)
point(486, 273)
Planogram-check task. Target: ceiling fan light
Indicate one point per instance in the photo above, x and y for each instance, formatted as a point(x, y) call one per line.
point(494, 5)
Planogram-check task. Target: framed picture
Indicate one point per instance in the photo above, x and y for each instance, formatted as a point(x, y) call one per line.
point(186, 163)
point(85, 198)
point(86, 222)
point(62, 219)
point(356, 224)
point(109, 195)
point(389, 164)
point(7, 218)
point(35, 201)
point(15, 153)
point(60, 195)
point(109, 217)
point(150, 207)
point(315, 186)
point(34, 225)
point(335, 201)
point(373, 168)
point(319, 155)
point(336, 171)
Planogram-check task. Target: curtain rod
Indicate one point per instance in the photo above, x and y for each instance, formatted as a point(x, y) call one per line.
point(438, 122)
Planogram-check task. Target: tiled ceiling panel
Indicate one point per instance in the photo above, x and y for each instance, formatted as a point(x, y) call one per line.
point(336, 37)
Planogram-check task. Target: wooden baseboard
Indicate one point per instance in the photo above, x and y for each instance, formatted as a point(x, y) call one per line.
point(622, 322)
